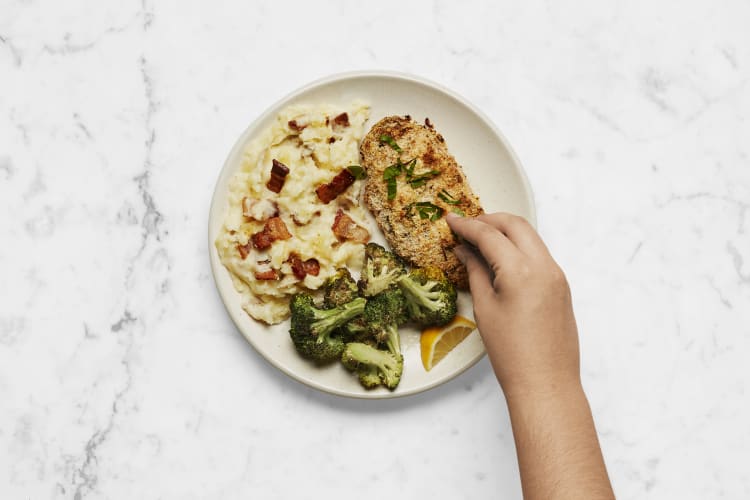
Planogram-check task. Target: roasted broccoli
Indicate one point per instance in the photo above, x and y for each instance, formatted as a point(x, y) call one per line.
point(373, 366)
point(430, 297)
point(312, 327)
point(381, 270)
point(339, 288)
point(383, 314)
point(356, 330)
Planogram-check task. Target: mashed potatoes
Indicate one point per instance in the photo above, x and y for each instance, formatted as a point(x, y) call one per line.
point(316, 143)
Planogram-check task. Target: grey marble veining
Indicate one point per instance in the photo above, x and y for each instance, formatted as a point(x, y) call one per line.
point(121, 375)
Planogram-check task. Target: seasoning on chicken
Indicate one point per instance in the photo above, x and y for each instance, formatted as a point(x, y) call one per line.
point(412, 181)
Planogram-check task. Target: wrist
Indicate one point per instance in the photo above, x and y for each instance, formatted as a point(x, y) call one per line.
point(534, 392)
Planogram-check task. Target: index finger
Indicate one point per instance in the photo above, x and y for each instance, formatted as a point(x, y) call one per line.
point(496, 249)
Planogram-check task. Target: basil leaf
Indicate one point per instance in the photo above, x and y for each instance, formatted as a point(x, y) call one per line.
point(425, 210)
point(409, 168)
point(357, 171)
point(419, 180)
point(391, 183)
point(387, 139)
point(446, 197)
point(392, 172)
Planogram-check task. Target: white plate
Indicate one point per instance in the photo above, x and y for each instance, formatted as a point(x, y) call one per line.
point(493, 171)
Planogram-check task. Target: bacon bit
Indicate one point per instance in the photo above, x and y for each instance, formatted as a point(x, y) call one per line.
point(244, 250)
point(428, 123)
point(328, 192)
point(259, 210)
point(302, 268)
point(270, 275)
point(275, 229)
point(327, 121)
point(342, 120)
point(346, 229)
point(331, 140)
point(296, 126)
point(279, 172)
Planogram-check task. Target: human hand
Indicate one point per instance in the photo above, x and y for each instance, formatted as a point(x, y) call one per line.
point(522, 304)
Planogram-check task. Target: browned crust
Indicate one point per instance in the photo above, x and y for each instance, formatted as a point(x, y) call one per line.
point(420, 241)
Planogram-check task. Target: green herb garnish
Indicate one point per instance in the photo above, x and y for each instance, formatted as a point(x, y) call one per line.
point(387, 139)
point(391, 184)
point(389, 175)
point(357, 171)
point(420, 179)
point(392, 172)
point(409, 167)
point(426, 210)
point(446, 197)
point(458, 211)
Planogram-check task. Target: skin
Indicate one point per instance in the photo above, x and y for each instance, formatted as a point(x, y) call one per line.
point(524, 312)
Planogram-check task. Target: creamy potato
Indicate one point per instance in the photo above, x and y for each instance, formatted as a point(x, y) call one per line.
point(316, 148)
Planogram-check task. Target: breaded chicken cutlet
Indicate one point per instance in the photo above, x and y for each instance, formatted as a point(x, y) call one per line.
point(412, 182)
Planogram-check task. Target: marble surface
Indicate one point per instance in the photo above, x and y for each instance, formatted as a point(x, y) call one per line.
point(121, 376)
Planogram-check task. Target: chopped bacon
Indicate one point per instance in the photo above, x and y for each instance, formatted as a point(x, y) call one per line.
point(271, 274)
point(244, 250)
point(279, 172)
point(302, 268)
point(346, 229)
point(259, 210)
point(275, 229)
point(428, 123)
point(328, 192)
point(296, 126)
point(341, 120)
point(331, 140)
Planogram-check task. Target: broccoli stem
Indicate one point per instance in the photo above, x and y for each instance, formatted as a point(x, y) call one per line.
point(393, 340)
point(327, 320)
point(421, 294)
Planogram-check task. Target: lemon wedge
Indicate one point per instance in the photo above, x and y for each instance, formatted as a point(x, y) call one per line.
point(437, 342)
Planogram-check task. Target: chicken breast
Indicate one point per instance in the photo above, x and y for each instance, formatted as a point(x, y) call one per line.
point(413, 221)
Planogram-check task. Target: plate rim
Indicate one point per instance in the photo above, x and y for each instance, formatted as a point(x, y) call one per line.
point(241, 141)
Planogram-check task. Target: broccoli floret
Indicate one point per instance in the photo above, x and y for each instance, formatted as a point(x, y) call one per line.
point(339, 288)
point(356, 330)
point(373, 366)
point(312, 327)
point(381, 270)
point(383, 315)
point(430, 297)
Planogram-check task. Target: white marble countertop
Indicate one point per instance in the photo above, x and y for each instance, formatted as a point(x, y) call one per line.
point(121, 375)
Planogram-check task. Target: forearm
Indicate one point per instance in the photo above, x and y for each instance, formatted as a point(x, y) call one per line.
point(558, 450)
